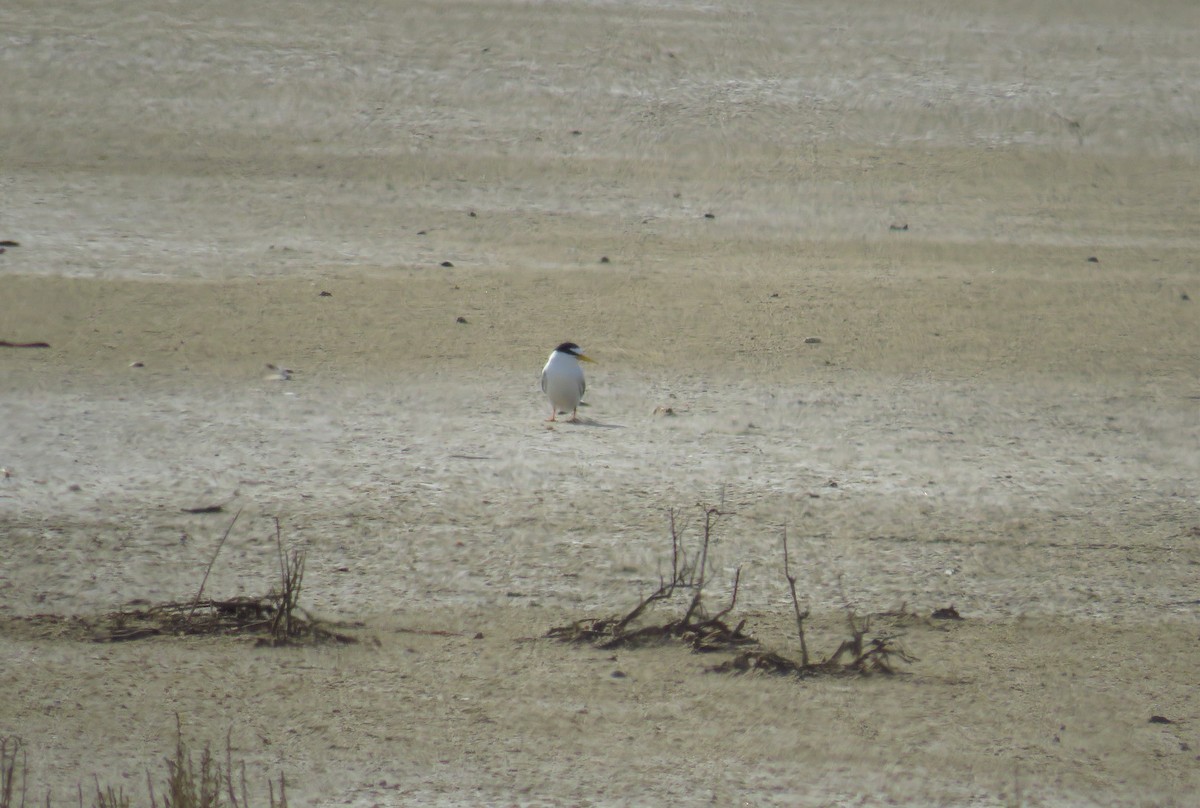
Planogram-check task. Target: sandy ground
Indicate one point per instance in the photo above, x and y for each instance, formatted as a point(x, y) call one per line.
point(990, 418)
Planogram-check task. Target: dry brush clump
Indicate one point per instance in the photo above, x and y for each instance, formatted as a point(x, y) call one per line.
point(861, 654)
point(208, 784)
point(696, 627)
point(275, 618)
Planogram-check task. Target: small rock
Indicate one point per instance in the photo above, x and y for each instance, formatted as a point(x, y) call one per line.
point(325, 294)
point(447, 264)
point(137, 364)
point(1160, 719)
point(812, 341)
point(1093, 259)
point(604, 259)
point(461, 321)
point(667, 411)
point(898, 228)
point(710, 216)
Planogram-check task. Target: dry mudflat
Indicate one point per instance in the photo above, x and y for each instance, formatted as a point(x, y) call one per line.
point(916, 284)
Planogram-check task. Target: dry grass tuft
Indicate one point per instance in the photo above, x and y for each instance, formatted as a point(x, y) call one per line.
point(10, 749)
point(210, 784)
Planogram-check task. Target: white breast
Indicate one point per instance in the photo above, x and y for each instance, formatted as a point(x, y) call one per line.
point(562, 381)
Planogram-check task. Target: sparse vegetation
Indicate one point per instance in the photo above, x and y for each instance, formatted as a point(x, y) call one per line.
point(10, 749)
point(696, 627)
point(209, 784)
point(859, 654)
point(274, 619)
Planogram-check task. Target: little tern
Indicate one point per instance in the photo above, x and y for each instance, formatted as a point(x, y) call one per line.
point(562, 379)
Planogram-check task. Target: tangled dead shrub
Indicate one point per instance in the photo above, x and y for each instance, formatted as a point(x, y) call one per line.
point(860, 654)
point(695, 627)
point(275, 618)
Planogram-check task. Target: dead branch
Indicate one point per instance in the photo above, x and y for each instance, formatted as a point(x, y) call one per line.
point(213, 560)
point(800, 616)
point(695, 627)
point(856, 655)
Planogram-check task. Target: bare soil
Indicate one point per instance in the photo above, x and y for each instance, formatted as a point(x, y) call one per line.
point(916, 283)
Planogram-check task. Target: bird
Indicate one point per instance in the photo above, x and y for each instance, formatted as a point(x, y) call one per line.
point(562, 379)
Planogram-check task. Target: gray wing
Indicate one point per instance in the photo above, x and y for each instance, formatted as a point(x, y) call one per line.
point(582, 387)
point(543, 380)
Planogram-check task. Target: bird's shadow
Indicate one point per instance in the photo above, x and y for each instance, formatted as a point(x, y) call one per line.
point(581, 421)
